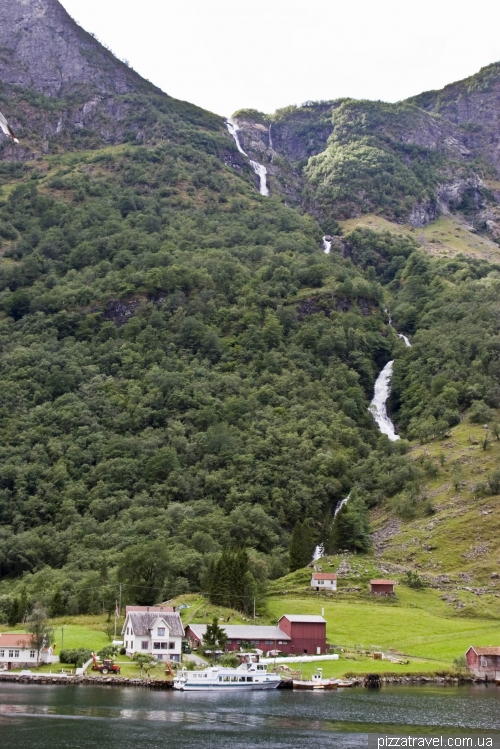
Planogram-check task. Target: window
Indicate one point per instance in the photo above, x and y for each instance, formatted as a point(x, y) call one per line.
point(268, 642)
point(144, 645)
point(32, 653)
point(484, 662)
point(2, 653)
point(11, 653)
point(128, 632)
point(229, 642)
point(171, 645)
point(16, 653)
point(161, 631)
point(160, 657)
point(156, 645)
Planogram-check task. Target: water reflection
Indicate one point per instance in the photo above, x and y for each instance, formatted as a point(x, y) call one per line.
point(88, 717)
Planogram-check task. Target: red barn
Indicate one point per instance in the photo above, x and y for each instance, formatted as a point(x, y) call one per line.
point(307, 633)
point(382, 587)
point(238, 635)
point(484, 662)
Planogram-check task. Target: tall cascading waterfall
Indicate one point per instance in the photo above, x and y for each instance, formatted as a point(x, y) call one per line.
point(378, 406)
point(259, 169)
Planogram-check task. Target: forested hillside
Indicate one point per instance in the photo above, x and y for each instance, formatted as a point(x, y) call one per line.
point(183, 369)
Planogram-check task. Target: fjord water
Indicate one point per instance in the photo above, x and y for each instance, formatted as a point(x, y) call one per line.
point(83, 717)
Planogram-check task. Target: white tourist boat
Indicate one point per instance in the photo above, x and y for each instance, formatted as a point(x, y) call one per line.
point(248, 676)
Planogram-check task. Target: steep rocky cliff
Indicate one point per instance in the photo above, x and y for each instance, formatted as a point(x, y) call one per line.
point(63, 90)
point(409, 162)
point(42, 48)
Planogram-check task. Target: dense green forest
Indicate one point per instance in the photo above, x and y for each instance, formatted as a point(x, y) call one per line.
point(185, 375)
point(180, 361)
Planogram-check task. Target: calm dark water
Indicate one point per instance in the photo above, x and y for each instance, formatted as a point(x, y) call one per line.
point(81, 717)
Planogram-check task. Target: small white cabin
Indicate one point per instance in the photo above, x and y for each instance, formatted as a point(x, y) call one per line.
point(324, 581)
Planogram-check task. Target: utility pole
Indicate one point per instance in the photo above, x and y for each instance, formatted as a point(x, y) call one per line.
point(120, 601)
point(254, 607)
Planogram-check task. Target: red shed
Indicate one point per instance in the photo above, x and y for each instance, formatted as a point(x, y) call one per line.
point(484, 662)
point(308, 633)
point(382, 587)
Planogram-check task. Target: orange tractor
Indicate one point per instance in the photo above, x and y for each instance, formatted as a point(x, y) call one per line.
point(106, 667)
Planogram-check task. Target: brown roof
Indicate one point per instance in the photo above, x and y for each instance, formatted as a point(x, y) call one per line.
point(149, 609)
point(324, 576)
point(15, 640)
point(382, 582)
point(483, 651)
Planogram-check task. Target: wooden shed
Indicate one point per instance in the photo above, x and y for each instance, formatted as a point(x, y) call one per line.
point(484, 662)
point(382, 587)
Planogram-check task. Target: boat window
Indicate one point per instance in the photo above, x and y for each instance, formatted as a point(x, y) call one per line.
point(227, 678)
point(249, 678)
point(242, 678)
point(234, 678)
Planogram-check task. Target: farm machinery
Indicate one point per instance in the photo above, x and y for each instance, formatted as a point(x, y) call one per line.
point(106, 667)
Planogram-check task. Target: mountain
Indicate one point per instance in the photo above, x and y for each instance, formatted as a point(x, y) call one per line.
point(183, 368)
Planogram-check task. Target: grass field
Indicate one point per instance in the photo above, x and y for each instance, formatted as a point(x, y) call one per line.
point(462, 538)
point(446, 237)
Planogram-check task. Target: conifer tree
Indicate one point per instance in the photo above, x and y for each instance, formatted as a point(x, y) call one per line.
point(351, 529)
point(301, 546)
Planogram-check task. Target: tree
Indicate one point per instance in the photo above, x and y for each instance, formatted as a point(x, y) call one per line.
point(143, 570)
point(301, 546)
point(351, 528)
point(230, 583)
point(41, 633)
point(214, 637)
point(413, 580)
point(145, 662)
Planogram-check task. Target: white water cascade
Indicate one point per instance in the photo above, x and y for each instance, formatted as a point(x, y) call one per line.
point(259, 169)
point(382, 392)
point(327, 244)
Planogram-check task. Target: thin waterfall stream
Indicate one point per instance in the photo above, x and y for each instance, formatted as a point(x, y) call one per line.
point(378, 407)
point(259, 169)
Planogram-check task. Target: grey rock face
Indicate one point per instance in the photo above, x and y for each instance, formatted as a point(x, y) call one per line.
point(42, 48)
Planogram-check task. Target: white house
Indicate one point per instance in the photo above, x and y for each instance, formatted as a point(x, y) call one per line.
point(324, 581)
point(16, 651)
point(153, 630)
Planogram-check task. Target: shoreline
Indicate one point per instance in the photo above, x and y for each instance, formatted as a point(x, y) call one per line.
point(164, 684)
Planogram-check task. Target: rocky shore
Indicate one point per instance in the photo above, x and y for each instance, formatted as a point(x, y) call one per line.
point(114, 681)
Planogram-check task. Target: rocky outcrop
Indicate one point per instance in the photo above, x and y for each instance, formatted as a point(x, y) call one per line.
point(42, 48)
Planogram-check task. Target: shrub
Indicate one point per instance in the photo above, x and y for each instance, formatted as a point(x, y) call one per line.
point(77, 657)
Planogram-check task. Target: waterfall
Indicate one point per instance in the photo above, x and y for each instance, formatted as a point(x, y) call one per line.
point(382, 392)
point(340, 505)
point(259, 169)
point(378, 404)
point(318, 552)
point(327, 244)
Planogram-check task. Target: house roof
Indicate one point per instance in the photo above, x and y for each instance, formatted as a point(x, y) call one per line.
point(382, 582)
point(480, 651)
point(142, 622)
point(303, 618)
point(324, 576)
point(242, 632)
point(15, 640)
point(149, 609)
